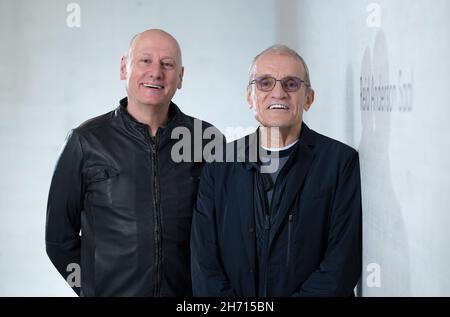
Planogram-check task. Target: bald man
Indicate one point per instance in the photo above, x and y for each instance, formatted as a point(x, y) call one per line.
point(120, 207)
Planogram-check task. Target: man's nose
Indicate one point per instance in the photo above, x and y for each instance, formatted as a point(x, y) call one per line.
point(155, 70)
point(278, 91)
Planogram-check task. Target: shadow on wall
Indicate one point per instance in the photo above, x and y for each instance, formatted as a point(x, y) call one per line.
point(385, 245)
point(349, 104)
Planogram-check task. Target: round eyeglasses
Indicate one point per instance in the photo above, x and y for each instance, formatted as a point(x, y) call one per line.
point(267, 83)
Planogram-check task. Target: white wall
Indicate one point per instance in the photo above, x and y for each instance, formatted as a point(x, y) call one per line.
point(404, 152)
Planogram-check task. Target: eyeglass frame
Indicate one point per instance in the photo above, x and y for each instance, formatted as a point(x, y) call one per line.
point(255, 81)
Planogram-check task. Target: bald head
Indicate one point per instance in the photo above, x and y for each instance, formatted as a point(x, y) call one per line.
point(156, 37)
point(152, 70)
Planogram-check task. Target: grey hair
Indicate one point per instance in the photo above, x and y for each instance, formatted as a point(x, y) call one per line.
point(281, 49)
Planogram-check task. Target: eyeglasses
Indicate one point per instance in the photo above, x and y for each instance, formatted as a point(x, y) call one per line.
point(289, 84)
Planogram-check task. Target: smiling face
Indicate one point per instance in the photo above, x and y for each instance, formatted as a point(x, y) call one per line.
point(152, 70)
point(278, 108)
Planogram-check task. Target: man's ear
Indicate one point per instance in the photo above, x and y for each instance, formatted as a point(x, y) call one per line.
point(249, 97)
point(180, 83)
point(309, 99)
point(123, 68)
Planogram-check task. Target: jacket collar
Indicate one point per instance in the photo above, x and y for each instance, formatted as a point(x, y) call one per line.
point(141, 129)
point(252, 144)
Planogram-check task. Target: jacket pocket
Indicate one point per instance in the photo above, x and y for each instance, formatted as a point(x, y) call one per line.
point(100, 185)
point(100, 173)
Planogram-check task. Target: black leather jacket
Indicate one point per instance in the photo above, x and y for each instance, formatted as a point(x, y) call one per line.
point(132, 202)
point(313, 246)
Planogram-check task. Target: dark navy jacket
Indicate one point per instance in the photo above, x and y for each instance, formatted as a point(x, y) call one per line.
point(315, 245)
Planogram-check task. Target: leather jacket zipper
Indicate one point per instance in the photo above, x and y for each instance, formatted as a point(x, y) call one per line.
point(157, 218)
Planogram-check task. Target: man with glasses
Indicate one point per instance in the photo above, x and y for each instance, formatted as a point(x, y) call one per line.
point(290, 230)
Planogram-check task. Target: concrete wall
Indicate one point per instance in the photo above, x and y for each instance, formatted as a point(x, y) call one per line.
point(395, 52)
